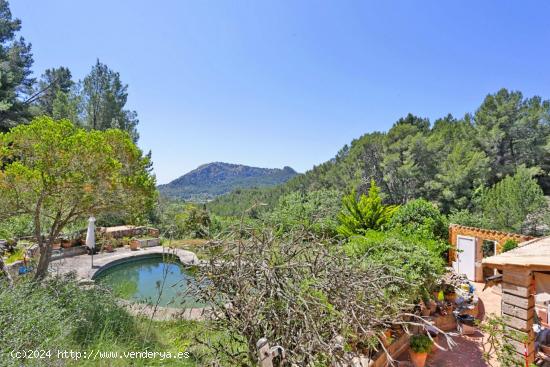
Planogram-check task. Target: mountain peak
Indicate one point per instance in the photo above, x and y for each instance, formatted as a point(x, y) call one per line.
point(217, 178)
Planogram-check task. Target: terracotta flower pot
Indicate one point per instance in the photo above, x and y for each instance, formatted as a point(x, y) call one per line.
point(108, 248)
point(134, 245)
point(66, 244)
point(418, 359)
point(56, 246)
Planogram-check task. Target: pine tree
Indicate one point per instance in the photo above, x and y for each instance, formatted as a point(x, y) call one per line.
point(15, 71)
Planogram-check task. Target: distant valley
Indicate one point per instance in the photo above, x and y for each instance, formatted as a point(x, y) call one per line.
point(214, 179)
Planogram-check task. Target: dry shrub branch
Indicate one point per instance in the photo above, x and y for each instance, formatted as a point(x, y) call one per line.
point(308, 296)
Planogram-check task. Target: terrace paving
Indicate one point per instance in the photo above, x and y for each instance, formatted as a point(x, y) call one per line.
point(469, 349)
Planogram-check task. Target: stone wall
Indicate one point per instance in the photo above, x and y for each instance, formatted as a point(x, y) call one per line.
point(128, 231)
point(148, 242)
point(68, 252)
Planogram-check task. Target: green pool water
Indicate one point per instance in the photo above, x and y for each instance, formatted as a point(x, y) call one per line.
point(147, 280)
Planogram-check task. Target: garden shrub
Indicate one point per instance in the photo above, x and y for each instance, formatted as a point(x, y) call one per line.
point(421, 343)
point(58, 314)
point(315, 211)
point(360, 214)
point(509, 245)
point(405, 257)
point(420, 217)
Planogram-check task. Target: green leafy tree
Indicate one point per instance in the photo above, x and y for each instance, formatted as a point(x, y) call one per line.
point(509, 245)
point(193, 222)
point(509, 204)
point(406, 257)
point(358, 216)
point(314, 211)
point(420, 217)
point(104, 97)
point(15, 71)
point(467, 218)
point(59, 174)
point(445, 164)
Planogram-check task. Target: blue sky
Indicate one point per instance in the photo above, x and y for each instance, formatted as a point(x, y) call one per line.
point(275, 83)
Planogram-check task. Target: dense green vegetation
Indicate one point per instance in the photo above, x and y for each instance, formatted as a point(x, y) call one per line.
point(452, 163)
point(313, 211)
point(61, 315)
point(214, 179)
point(366, 212)
point(55, 174)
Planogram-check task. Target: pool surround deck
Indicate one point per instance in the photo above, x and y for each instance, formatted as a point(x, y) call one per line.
point(82, 264)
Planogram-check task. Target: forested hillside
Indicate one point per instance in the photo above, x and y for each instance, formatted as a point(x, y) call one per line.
point(448, 161)
point(218, 178)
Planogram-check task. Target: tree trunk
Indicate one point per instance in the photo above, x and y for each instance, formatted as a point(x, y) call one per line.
point(4, 270)
point(44, 262)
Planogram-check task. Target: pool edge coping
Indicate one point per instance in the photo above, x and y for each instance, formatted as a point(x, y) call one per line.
point(187, 258)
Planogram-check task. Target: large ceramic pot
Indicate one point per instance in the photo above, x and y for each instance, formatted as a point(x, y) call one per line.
point(418, 359)
point(134, 245)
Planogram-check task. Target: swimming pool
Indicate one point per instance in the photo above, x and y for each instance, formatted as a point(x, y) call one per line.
point(153, 279)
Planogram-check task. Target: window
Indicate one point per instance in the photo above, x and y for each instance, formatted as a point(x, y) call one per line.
point(489, 248)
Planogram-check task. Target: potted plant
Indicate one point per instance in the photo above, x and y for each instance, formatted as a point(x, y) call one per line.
point(420, 346)
point(108, 246)
point(134, 244)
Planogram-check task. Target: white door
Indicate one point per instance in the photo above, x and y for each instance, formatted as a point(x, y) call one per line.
point(466, 263)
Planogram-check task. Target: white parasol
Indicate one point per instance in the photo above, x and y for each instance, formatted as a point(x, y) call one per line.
point(90, 236)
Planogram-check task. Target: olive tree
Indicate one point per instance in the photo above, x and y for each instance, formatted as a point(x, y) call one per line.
point(58, 173)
